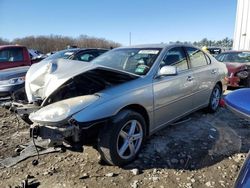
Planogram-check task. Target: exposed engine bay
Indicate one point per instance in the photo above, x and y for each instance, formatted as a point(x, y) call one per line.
point(88, 83)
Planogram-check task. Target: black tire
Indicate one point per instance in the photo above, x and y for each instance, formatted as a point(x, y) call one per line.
point(214, 100)
point(20, 95)
point(111, 138)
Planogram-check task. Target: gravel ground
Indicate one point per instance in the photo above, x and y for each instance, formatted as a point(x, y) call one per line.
point(205, 151)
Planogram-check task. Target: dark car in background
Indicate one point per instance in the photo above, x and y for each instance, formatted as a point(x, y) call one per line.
point(238, 65)
point(12, 79)
point(80, 54)
point(214, 50)
point(36, 55)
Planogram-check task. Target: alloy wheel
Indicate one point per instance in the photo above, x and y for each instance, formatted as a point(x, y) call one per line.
point(129, 139)
point(215, 98)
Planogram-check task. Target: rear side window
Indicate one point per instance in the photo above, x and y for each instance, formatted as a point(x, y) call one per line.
point(11, 55)
point(100, 52)
point(197, 57)
point(175, 57)
point(86, 56)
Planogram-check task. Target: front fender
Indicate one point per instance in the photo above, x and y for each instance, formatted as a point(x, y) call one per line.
point(109, 108)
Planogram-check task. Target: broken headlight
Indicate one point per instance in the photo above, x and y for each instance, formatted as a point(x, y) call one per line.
point(13, 81)
point(62, 110)
point(242, 74)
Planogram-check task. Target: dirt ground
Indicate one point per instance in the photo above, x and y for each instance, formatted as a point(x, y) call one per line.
point(207, 150)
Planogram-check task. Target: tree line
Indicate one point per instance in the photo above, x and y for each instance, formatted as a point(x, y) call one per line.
point(226, 43)
point(52, 43)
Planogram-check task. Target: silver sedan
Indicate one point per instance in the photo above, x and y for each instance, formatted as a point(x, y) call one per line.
point(123, 96)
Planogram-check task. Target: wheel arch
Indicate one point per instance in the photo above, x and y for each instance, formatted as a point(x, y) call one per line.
point(141, 110)
point(220, 85)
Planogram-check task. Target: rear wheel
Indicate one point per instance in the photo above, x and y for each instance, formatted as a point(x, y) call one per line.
point(214, 99)
point(120, 141)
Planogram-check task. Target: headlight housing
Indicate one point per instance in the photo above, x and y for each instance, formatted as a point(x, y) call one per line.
point(62, 110)
point(13, 81)
point(242, 74)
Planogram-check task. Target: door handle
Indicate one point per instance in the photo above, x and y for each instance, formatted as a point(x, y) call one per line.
point(190, 78)
point(214, 71)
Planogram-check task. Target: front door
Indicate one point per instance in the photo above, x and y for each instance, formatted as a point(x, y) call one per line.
point(173, 94)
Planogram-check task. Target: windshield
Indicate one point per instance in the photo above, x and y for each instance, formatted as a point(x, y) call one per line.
point(137, 60)
point(239, 57)
point(64, 54)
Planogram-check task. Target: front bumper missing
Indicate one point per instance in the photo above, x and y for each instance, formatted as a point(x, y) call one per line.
point(71, 131)
point(54, 133)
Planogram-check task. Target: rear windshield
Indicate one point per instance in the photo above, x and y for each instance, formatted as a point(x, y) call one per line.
point(11, 55)
point(239, 57)
point(64, 54)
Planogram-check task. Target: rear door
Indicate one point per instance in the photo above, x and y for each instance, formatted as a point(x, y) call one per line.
point(11, 57)
point(173, 94)
point(204, 75)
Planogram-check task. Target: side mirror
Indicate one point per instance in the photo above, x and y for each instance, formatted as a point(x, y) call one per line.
point(167, 71)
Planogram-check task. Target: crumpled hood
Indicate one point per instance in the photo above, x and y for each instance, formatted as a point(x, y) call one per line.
point(10, 73)
point(46, 76)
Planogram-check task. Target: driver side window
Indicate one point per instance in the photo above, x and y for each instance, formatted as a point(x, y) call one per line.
point(175, 57)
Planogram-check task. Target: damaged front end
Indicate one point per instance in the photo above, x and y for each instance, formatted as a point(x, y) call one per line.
point(55, 121)
point(57, 135)
point(77, 95)
point(57, 80)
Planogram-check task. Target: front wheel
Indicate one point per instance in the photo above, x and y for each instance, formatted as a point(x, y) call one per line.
point(214, 99)
point(120, 141)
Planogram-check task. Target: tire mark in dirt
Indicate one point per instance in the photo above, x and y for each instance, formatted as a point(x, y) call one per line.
point(227, 143)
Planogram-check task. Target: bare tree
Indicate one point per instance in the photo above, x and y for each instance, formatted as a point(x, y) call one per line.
point(4, 41)
point(56, 42)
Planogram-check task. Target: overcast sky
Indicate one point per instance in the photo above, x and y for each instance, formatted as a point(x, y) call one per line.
point(149, 21)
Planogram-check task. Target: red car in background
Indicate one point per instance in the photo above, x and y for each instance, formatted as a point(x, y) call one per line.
point(14, 56)
point(238, 65)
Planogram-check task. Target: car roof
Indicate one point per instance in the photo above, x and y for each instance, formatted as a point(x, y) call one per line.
point(11, 46)
point(80, 49)
point(235, 51)
point(161, 45)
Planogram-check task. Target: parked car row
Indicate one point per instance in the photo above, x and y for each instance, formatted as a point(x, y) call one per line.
point(237, 62)
point(123, 95)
